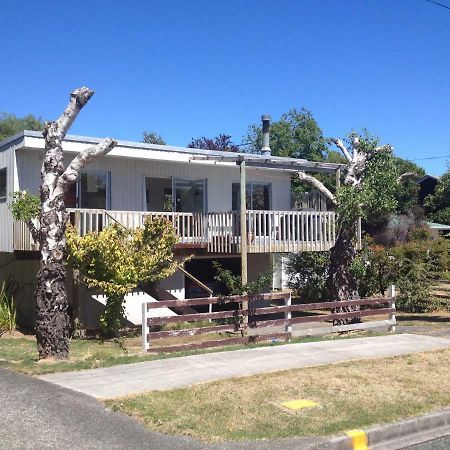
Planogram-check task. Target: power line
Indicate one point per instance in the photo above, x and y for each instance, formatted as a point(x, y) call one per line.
point(430, 157)
point(439, 4)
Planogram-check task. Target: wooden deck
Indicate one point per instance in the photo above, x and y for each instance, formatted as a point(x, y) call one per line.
point(216, 232)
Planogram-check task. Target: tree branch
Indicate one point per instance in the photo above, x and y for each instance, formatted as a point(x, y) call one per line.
point(342, 147)
point(318, 185)
point(71, 174)
point(406, 175)
point(78, 99)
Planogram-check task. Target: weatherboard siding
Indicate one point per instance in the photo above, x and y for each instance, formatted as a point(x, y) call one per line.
point(127, 179)
point(6, 222)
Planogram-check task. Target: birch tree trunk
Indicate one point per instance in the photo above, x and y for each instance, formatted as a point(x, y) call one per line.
point(52, 318)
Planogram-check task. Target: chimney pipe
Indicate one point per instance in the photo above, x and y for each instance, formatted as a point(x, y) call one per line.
point(265, 135)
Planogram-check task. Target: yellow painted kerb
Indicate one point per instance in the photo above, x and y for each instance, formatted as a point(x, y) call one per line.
point(299, 404)
point(359, 439)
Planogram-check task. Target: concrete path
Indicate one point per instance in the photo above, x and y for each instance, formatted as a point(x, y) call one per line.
point(172, 373)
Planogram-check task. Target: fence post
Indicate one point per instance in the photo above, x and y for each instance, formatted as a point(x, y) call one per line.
point(391, 295)
point(210, 309)
point(288, 315)
point(145, 328)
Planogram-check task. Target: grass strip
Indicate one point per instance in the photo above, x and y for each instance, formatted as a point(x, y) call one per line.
point(350, 395)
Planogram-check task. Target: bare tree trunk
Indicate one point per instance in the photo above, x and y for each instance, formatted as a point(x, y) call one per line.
point(52, 318)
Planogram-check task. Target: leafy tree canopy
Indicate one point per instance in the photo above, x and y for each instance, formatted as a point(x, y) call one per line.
point(151, 137)
point(11, 125)
point(438, 204)
point(222, 142)
point(408, 190)
point(295, 135)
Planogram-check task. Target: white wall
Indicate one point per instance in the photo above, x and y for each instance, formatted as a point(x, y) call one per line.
point(6, 222)
point(127, 179)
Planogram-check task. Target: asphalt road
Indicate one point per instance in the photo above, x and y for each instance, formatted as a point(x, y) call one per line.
point(37, 415)
point(442, 443)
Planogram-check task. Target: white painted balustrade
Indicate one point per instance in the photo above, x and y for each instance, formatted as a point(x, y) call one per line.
point(268, 231)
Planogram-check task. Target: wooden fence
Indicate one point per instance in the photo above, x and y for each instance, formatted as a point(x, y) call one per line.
point(273, 322)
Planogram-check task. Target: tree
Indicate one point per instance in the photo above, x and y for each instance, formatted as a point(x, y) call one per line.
point(151, 137)
point(52, 318)
point(407, 192)
point(11, 125)
point(295, 135)
point(118, 259)
point(368, 189)
point(222, 142)
point(437, 205)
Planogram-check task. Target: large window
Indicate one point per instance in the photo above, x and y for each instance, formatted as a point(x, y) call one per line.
point(190, 195)
point(91, 191)
point(3, 185)
point(258, 196)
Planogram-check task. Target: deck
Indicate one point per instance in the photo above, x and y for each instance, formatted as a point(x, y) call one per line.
point(215, 232)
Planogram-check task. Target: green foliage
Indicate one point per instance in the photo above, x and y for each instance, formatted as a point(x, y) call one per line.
point(234, 283)
point(307, 273)
point(296, 135)
point(25, 206)
point(438, 204)
point(408, 190)
point(150, 137)
point(7, 310)
point(11, 125)
point(375, 196)
point(374, 269)
point(117, 259)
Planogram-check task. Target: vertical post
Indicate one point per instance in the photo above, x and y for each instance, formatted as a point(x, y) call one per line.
point(244, 274)
point(338, 178)
point(288, 316)
point(391, 295)
point(145, 328)
point(358, 234)
point(210, 307)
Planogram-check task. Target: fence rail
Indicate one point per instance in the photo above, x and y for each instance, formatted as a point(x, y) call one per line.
point(262, 314)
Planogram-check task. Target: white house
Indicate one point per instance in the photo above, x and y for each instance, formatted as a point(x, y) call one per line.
point(198, 190)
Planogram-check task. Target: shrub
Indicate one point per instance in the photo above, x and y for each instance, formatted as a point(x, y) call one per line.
point(234, 285)
point(117, 259)
point(420, 264)
point(7, 311)
point(307, 273)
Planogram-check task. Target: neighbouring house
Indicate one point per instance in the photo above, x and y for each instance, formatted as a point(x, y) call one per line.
point(197, 190)
point(427, 185)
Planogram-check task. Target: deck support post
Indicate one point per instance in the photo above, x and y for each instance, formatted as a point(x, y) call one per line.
point(244, 274)
point(338, 178)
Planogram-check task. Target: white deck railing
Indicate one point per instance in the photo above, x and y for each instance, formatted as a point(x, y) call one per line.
point(219, 232)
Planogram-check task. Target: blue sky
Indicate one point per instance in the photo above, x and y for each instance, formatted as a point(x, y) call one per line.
point(198, 68)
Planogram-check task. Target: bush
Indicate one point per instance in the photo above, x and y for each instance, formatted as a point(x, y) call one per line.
point(420, 264)
point(7, 311)
point(307, 273)
point(234, 285)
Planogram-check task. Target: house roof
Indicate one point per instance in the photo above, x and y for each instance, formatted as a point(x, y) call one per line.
point(129, 149)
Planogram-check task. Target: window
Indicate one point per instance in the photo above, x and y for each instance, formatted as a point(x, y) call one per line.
point(190, 195)
point(91, 191)
point(258, 196)
point(158, 194)
point(3, 185)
